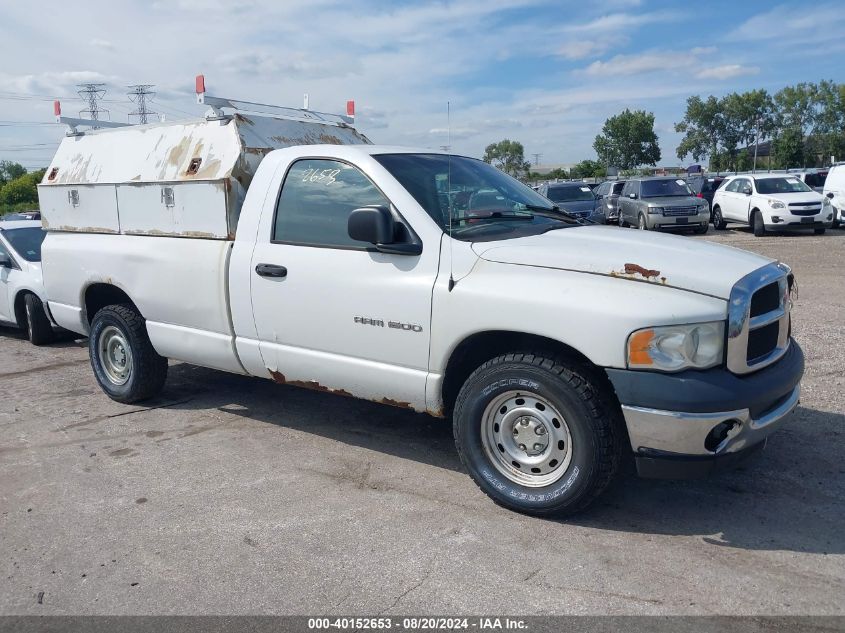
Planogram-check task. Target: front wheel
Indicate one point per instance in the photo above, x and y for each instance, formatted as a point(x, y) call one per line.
point(536, 434)
point(757, 224)
point(641, 223)
point(38, 326)
point(718, 221)
point(125, 364)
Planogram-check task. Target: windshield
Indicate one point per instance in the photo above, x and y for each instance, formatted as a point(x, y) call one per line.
point(570, 193)
point(470, 199)
point(781, 185)
point(26, 241)
point(664, 188)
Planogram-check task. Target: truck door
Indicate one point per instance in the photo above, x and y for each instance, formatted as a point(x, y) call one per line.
point(332, 313)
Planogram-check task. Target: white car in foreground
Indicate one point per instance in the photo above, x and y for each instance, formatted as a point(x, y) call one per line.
point(771, 202)
point(22, 297)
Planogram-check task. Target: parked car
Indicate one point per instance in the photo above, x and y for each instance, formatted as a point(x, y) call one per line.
point(771, 202)
point(703, 186)
point(23, 215)
point(662, 203)
point(555, 347)
point(834, 190)
point(813, 178)
point(607, 193)
point(576, 198)
point(22, 297)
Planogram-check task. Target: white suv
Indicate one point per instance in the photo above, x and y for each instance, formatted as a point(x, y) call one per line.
point(771, 202)
point(834, 190)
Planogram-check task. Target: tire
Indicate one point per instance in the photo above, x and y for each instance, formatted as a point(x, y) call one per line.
point(38, 327)
point(702, 230)
point(819, 231)
point(641, 223)
point(757, 224)
point(119, 333)
point(582, 428)
point(718, 222)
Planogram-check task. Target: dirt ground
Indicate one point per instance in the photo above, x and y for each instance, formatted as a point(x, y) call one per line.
point(230, 495)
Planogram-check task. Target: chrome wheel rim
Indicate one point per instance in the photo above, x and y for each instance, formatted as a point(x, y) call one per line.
point(115, 355)
point(526, 439)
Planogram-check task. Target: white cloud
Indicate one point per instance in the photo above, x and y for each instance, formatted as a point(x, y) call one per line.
point(793, 23)
point(615, 22)
point(726, 71)
point(104, 44)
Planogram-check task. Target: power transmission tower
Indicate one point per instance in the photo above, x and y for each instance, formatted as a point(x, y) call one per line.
point(139, 95)
point(536, 158)
point(92, 93)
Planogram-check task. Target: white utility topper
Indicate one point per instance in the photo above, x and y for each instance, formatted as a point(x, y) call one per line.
point(418, 279)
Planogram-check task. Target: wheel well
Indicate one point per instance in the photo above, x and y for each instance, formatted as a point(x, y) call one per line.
point(478, 348)
point(98, 296)
point(751, 214)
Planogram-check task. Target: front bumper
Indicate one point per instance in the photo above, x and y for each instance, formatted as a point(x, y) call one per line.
point(683, 222)
point(687, 424)
point(779, 222)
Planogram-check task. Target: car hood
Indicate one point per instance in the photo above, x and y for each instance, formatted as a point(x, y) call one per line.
point(669, 260)
point(577, 206)
point(672, 201)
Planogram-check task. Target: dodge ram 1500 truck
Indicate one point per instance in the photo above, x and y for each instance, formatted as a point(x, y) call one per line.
point(422, 280)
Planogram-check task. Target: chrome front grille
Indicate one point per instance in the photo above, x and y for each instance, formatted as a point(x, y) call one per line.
point(671, 212)
point(758, 319)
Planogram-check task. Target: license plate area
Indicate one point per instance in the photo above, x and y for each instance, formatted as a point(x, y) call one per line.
point(681, 220)
point(807, 220)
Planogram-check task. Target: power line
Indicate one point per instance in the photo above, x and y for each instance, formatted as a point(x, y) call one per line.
point(536, 158)
point(92, 93)
point(139, 95)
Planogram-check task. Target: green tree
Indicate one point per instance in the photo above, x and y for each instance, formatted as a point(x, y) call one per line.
point(700, 126)
point(507, 155)
point(628, 140)
point(22, 190)
point(588, 169)
point(10, 171)
point(788, 149)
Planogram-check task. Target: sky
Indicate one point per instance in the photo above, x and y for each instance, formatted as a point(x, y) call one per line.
point(544, 73)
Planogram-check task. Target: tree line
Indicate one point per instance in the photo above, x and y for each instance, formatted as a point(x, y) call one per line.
point(18, 188)
point(804, 123)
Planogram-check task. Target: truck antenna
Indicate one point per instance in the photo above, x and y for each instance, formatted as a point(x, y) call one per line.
point(449, 188)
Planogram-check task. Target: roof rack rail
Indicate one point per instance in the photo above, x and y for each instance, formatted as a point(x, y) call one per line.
point(217, 104)
point(73, 123)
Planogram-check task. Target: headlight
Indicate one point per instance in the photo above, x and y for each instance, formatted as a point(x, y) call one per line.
point(656, 210)
point(677, 347)
point(776, 204)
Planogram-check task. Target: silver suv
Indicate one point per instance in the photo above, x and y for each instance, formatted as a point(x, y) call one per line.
point(662, 203)
point(608, 196)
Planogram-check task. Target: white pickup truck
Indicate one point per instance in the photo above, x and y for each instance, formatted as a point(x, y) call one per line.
point(423, 280)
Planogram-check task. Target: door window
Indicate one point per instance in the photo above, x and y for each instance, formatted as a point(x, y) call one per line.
point(316, 200)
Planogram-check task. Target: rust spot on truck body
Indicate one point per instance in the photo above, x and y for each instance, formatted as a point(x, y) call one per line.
point(313, 385)
point(636, 272)
point(636, 269)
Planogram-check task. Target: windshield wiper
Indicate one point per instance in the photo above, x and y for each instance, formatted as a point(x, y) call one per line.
point(555, 212)
point(492, 215)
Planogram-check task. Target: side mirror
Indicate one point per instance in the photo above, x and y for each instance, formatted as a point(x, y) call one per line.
point(5, 260)
point(377, 226)
point(371, 224)
point(632, 196)
point(830, 195)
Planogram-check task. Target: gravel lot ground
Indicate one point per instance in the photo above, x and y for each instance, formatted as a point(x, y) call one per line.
point(230, 495)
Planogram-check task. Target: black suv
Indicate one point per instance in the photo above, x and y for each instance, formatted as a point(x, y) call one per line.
point(703, 186)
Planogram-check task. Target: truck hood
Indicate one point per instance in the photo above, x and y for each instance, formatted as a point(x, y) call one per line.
point(669, 260)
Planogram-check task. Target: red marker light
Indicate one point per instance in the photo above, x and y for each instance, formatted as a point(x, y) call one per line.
point(57, 108)
point(350, 108)
point(200, 81)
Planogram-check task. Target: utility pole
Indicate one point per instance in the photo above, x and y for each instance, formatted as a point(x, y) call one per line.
point(139, 95)
point(92, 94)
point(536, 159)
point(756, 143)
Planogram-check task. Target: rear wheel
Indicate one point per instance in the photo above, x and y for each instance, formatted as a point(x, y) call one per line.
point(125, 364)
point(757, 223)
point(537, 434)
point(38, 326)
point(718, 222)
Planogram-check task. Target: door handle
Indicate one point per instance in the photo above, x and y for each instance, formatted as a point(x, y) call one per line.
point(271, 270)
